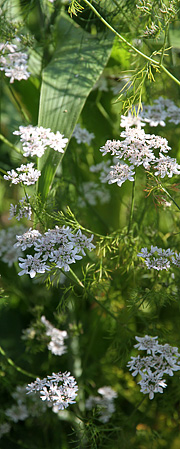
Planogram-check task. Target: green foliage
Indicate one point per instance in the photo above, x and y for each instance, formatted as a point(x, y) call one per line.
point(90, 62)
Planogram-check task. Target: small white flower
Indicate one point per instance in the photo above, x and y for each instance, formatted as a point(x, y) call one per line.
point(26, 174)
point(4, 428)
point(163, 359)
point(13, 62)
point(20, 210)
point(17, 413)
point(35, 140)
point(82, 135)
point(147, 343)
point(127, 121)
point(93, 194)
point(59, 389)
point(104, 403)
point(176, 259)
point(56, 344)
point(58, 246)
point(8, 253)
point(163, 258)
point(107, 392)
point(27, 239)
point(32, 265)
point(120, 173)
point(165, 165)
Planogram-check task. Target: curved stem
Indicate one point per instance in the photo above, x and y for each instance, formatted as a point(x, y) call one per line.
point(143, 55)
point(10, 144)
point(169, 195)
point(19, 105)
point(17, 368)
point(90, 295)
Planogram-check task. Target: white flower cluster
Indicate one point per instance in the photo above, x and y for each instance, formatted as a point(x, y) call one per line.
point(8, 253)
point(138, 149)
point(104, 403)
point(161, 359)
point(154, 114)
point(103, 169)
point(93, 194)
point(82, 135)
point(127, 121)
point(35, 140)
point(13, 62)
point(58, 246)
point(56, 344)
point(4, 428)
point(159, 111)
point(158, 258)
point(25, 174)
point(25, 406)
point(59, 390)
point(20, 210)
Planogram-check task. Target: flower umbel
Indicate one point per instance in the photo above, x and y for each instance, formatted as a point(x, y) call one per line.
point(35, 140)
point(57, 247)
point(20, 210)
point(82, 135)
point(13, 62)
point(59, 390)
point(157, 258)
point(57, 338)
point(162, 359)
point(104, 403)
point(26, 174)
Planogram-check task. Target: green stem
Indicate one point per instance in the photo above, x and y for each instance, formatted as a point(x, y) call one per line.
point(90, 295)
point(170, 74)
point(169, 195)
point(17, 368)
point(148, 58)
point(137, 406)
point(101, 108)
point(132, 203)
point(20, 107)
point(10, 144)
point(119, 35)
point(34, 211)
point(164, 44)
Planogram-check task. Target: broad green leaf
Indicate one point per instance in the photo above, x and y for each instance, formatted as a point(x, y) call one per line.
point(78, 62)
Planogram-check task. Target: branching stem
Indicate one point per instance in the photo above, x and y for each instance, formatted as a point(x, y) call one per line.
point(153, 62)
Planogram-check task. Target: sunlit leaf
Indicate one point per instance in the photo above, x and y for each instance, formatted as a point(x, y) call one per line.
point(77, 64)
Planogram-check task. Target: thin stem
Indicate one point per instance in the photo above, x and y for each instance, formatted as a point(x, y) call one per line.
point(132, 203)
point(164, 189)
point(164, 44)
point(137, 406)
point(143, 55)
point(10, 144)
point(169, 195)
point(119, 35)
point(34, 211)
point(170, 75)
point(20, 107)
point(17, 368)
point(90, 295)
